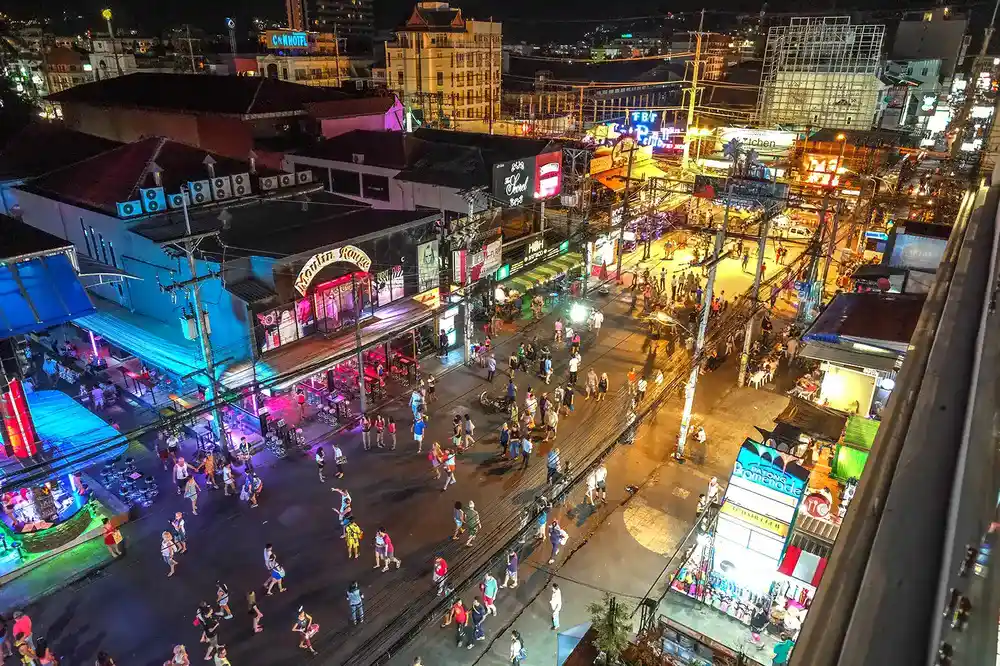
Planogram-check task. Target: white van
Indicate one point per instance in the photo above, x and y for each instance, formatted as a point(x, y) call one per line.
point(798, 231)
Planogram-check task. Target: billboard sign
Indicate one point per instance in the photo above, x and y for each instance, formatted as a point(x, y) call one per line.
point(765, 142)
point(548, 175)
point(286, 39)
point(514, 181)
point(428, 275)
point(921, 253)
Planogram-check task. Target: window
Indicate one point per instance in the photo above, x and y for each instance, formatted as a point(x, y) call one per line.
point(460, 59)
point(399, 77)
point(284, 73)
point(374, 186)
point(300, 75)
point(468, 78)
point(345, 182)
point(440, 78)
point(468, 97)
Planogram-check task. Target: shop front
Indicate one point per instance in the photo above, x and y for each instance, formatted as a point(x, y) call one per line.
point(602, 252)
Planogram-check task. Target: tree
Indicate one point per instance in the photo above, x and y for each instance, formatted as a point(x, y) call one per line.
point(15, 111)
point(612, 624)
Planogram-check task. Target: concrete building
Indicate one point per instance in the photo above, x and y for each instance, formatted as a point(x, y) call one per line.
point(716, 49)
point(317, 70)
point(353, 20)
point(445, 68)
point(821, 72)
point(66, 68)
point(230, 115)
point(937, 34)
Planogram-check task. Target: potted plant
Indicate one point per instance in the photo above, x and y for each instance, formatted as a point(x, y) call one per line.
point(611, 622)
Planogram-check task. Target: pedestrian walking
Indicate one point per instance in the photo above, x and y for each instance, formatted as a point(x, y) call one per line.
point(591, 383)
point(574, 367)
point(222, 600)
point(555, 604)
point(415, 402)
point(191, 491)
point(601, 483)
point(385, 550)
point(504, 439)
point(179, 532)
point(305, 627)
point(320, 463)
point(491, 367)
point(590, 494)
point(252, 486)
point(470, 431)
point(510, 571)
point(526, 448)
point(23, 627)
point(458, 516)
point(210, 635)
point(457, 434)
point(547, 369)
point(472, 522)
point(602, 386)
point(460, 616)
point(552, 465)
point(112, 540)
point(355, 600)
point(277, 576)
point(379, 431)
point(44, 654)
point(254, 611)
point(418, 428)
point(339, 460)
point(179, 657)
point(745, 260)
point(557, 537)
point(167, 550)
point(391, 426)
point(222, 657)
point(568, 399)
point(344, 510)
point(352, 537)
point(431, 388)
point(551, 424)
point(366, 429)
point(557, 337)
point(489, 588)
point(440, 574)
point(478, 616)
point(268, 553)
point(630, 378)
point(182, 472)
point(208, 467)
point(782, 651)
point(449, 469)
point(517, 651)
point(436, 458)
point(228, 480)
point(640, 389)
point(597, 320)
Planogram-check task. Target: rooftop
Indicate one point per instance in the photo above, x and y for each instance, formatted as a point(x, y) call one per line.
point(42, 147)
point(201, 94)
point(378, 148)
point(20, 239)
point(436, 16)
point(281, 227)
point(870, 316)
point(117, 175)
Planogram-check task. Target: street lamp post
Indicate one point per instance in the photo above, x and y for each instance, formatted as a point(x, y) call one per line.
point(842, 138)
point(106, 15)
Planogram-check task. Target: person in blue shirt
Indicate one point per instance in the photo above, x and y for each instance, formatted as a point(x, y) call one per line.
point(504, 439)
point(419, 425)
point(526, 447)
point(355, 600)
point(511, 390)
point(552, 465)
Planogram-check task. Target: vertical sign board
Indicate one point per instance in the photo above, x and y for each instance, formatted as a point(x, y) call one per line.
point(428, 275)
point(763, 495)
point(514, 182)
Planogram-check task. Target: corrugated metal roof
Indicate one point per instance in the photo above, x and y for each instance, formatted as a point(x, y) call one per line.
point(250, 290)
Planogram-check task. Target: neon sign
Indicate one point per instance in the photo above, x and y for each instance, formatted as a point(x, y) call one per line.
point(348, 254)
point(289, 40)
point(766, 467)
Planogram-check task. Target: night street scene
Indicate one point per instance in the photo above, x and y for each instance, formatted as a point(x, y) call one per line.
point(406, 333)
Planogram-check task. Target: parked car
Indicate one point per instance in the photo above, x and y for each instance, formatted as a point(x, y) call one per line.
point(798, 231)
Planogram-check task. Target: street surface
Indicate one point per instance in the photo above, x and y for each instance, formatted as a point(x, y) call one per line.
point(132, 610)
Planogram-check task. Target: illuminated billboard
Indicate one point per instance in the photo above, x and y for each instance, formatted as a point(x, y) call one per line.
point(765, 142)
point(286, 39)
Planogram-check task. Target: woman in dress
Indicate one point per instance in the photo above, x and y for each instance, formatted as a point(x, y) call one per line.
point(305, 626)
point(167, 550)
point(191, 491)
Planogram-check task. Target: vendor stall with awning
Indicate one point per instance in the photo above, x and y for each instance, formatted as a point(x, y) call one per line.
point(545, 272)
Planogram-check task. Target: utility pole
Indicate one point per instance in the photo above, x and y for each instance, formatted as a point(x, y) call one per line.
point(466, 286)
point(190, 48)
point(693, 93)
point(336, 53)
point(106, 14)
point(816, 249)
point(748, 333)
point(706, 311)
point(190, 244)
point(357, 344)
point(625, 211)
point(831, 247)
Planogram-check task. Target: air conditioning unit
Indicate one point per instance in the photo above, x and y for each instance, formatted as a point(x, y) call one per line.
point(358, 158)
point(153, 199)
point(303, 177)
point(177, 200)
point(129, 208)
point(222, 188)
point(286, 180)
point(268, 183)
point(241, 185)
point(201, 192)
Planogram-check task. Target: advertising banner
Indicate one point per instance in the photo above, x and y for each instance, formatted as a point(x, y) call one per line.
point(514, 182)
point(427, 266)
point(548, 175)
point(765, 142)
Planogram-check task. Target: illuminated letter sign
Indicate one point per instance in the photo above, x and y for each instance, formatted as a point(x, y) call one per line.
point(289, 40)
point(348, 254)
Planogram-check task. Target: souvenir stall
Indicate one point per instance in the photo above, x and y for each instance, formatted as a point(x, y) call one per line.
point(734, 566)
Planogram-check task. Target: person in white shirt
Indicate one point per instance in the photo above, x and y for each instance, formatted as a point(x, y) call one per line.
point(574, 368)
point(640, 388)
point(598, 320)
point(590, 496)
point(182, 471)
point(601, 483)
point(555, 603)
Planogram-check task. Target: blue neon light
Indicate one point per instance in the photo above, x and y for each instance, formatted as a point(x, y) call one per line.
point(290, 40)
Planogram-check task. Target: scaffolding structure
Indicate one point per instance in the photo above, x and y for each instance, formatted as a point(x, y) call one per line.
point(821, 72)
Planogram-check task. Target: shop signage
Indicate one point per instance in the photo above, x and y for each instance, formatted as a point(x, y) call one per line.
point(767, 467)
point(348, 254)
point(536, 251)
point(503, 272)
point(514, 182)
point(766, 523)
point(428, 276)
point(769, 142)
point(389, 285)
point(431, 298)
point(600, 164)
point(282, 39)
point(548, 175)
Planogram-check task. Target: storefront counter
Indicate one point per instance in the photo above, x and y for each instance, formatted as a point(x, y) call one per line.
point(46, 517)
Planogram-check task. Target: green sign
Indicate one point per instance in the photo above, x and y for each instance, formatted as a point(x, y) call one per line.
point(627, 35)
point(503, 272)
point(564, 247)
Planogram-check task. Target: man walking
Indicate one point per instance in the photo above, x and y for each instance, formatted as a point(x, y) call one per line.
point(663, 279)
point(552, 465)
point(418, 427)
point(526, 447)
point(489, 589)
point(449, 469)
point(557, 537)
point(574, 368)
point(491, 367)
point(601, 484)
point(555, 603)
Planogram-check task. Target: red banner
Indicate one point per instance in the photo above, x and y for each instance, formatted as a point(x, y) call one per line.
point(17, 421)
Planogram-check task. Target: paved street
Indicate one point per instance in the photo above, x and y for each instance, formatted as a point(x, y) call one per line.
point(134, 611)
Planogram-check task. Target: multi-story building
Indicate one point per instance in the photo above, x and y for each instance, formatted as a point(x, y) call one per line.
point(715, 49)
point(446, 68)
point(821, 72)
point(65, 68)
point(353, 20)
point(937, 34)
point(311, 58)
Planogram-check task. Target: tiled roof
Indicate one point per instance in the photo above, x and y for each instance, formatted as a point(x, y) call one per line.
point(117, 175)
point(383, 149)
point(425, 18)
point(350, 108)
point(42, 147)
point(201, 93)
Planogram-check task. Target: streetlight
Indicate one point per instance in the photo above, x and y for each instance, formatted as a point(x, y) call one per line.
point(106, 15)
point(842, 138)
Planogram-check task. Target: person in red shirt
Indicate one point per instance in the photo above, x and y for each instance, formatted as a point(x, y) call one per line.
point(460, 616)
point(22, 629)
point(440, 573)
point(300, 398)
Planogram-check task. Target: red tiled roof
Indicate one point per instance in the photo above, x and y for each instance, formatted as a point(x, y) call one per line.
point(200, 93)
point(43, 146)
point(117, 175)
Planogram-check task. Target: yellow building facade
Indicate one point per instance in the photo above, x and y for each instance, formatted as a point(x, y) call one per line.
point(446, 67)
